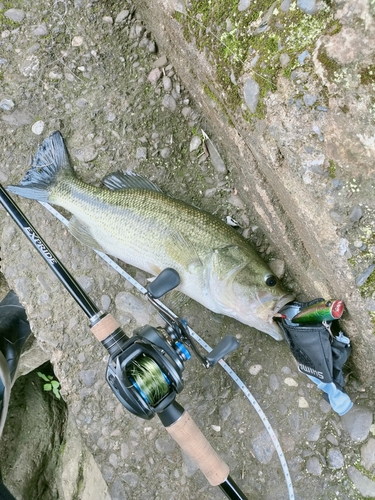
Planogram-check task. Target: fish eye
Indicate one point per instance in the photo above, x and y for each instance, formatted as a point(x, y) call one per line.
point(270, 280)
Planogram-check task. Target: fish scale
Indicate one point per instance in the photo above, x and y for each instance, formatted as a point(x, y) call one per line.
point(134, 221)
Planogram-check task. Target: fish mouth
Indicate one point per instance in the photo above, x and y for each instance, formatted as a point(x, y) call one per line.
point(268, 313)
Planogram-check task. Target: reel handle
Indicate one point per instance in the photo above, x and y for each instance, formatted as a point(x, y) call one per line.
point(166, 281)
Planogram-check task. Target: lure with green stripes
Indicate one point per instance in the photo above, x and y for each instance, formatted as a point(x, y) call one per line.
point(326, 310)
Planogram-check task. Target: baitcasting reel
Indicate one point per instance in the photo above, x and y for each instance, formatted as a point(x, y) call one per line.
point(145, 372)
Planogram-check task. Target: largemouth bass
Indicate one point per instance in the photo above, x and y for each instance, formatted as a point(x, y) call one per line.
point(134, 221)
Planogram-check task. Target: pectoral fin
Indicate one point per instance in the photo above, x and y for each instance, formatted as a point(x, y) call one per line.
point(83, 234)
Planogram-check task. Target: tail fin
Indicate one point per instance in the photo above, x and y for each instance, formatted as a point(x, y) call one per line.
point(50, 161)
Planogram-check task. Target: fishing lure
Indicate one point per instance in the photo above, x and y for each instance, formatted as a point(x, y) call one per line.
point(326, 310)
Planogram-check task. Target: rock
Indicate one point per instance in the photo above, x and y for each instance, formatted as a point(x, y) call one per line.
point(16, 15)
point(195, 143)
point(122, 16)
point(368, 454)
point(309, 99)
point(251, 94)
point(88, 377)
point(363, 277)
point(165, 445)
point(167, 83)
point(273, 383)
point(38, 127)
point(154, 76)
point(165, 153)
point(301, 58)
point(127, 302)
point(243, 5)
point(40, 30)
point(314, 433)
point(141, 153)
point(30, 66)
point(77, 41)
point(160, 62)
point(357, 422)
point(18, 118)
point(356, 214)
point(263, 447)
point(169, 102)
point(335, 459)
point(6, 104)
point(277, 266)
point(85, 153)
point(307, 6)
point(225, 412)
point(364, 484)
point(285, 4)
point(284, 60)
point(313, 466)
point(215, 158)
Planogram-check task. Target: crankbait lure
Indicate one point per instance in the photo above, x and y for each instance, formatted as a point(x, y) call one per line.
point(326, 310)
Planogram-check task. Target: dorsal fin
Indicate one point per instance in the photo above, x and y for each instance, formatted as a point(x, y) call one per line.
point(128, 180)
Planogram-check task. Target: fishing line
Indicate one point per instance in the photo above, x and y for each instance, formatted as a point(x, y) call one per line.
point(205, 346)
point(146, 376)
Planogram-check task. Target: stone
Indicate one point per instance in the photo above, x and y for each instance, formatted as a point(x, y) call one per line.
point(357, 422)
point(243, 5)
point(309, 99)
point(88, 377)
point(307, 6)
point(368, 454)
point(6, 104)
point(263, 447)
point(313, 466)
point(121, 16)
point(251, 94)
point(154, 76)
point(77, 41)
point(85, 153)
point(16, 15)
point(335, 459)
point(141, 153)
point(364, 484)
point(195, 142)
point(160, 62)
point(284, 60)
point(169, 102)
point(363, 277)
point(38, 127)
point(314, 433)
point(356, 214)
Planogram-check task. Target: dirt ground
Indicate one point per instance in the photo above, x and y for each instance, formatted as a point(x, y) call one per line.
point(93, 71)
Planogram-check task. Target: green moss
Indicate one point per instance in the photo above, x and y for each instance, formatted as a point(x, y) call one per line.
point(331, 66)
point(332, 169)
point(237, 43)
point(367, 75)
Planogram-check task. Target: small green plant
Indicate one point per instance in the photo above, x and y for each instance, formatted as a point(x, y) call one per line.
point(51, 384)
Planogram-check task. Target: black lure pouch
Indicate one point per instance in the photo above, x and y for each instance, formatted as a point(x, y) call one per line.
point(320, 354)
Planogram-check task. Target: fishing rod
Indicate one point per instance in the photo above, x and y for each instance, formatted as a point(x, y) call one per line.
point(145, 371)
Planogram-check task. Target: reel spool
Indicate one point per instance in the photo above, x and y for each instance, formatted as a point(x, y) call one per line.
point(145, 377)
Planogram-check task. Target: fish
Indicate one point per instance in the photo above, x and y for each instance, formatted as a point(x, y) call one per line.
point(324, 310)
point(133, 220)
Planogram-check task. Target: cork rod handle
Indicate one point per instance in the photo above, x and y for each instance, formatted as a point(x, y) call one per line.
point(187, 434)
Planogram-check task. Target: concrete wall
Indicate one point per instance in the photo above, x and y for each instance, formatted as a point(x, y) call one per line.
point(293, 155)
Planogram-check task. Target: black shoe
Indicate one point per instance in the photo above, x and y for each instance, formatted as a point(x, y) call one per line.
point(14, 330)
